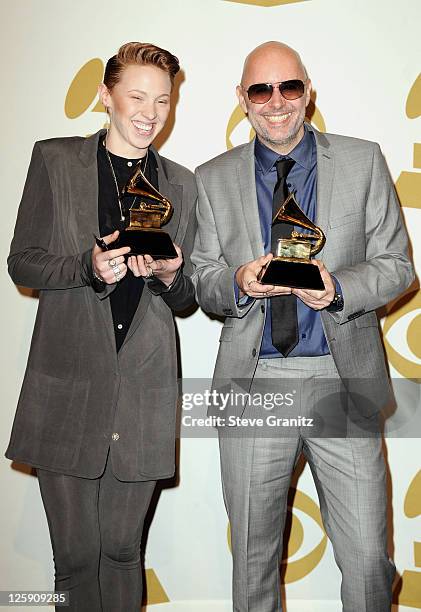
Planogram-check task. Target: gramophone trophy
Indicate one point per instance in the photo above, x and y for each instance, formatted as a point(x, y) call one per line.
point(291, 265)
point(149, 212)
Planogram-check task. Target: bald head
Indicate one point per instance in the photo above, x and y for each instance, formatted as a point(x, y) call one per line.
point(271, 53)
point(278, 120)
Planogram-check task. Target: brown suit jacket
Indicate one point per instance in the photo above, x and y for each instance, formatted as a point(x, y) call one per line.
point(77, 390)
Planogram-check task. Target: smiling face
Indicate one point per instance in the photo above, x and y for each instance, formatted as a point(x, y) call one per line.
point(138, 107)
point(279, 122)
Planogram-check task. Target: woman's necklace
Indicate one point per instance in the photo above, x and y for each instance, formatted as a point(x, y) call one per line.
point(120, 205)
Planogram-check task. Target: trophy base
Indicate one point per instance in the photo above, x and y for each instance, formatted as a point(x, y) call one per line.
point(155, 243)
point(299, 275)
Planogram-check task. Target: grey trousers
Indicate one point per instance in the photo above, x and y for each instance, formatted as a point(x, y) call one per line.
point(349, 473)
point(96, 528)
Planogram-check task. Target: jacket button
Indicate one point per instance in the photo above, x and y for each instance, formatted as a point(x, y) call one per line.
point(254, 352)
point(115, 436)
point(262, 308)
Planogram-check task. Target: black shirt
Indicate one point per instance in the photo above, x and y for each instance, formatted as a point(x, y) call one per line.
point(125, 298)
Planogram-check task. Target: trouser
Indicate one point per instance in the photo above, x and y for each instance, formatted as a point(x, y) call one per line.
point(95, 528)
point(349, 473)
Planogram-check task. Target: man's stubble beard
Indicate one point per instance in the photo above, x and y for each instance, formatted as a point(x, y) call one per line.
point(286, 141)
point(265, 137)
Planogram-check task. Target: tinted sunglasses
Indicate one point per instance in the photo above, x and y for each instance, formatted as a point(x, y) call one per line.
point(260, 93)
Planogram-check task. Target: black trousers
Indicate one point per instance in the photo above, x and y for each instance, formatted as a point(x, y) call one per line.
point(96, 528)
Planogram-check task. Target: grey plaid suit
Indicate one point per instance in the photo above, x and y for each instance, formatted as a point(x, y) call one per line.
point(366, 250)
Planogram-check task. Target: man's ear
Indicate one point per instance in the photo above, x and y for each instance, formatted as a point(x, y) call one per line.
point(308, 92)
point(241, 100)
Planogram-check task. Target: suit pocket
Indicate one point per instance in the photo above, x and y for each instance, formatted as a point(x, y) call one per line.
point(51, 418)
point(367, 320)
point(226, 333)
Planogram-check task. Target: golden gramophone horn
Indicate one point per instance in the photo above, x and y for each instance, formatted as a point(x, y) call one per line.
point(152, 208)
point(290, 212)
point(149, 212)
point(291, 264)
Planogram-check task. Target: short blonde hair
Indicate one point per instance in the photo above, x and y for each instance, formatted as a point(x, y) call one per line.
point(142, 54)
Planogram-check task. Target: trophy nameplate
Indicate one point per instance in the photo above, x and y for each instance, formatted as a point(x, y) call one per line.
point(291, 265)
point(149, 212)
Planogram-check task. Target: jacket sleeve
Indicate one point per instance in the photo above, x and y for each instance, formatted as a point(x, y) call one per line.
point(31, 262)
point(387, 270)
point(180, 294)
point(213, 277)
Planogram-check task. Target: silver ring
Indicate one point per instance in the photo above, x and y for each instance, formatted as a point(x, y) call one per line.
point(150, 272)
point(112, 263)
point(117, 273)
point(116, 269)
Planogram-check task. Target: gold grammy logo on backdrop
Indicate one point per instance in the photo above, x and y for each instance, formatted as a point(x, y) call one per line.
point(404, 323)
point(408, 591)
point(408, 184)
point(154, 589)
point(296, 569)
point(404, 320)
point(266, 2)
point(82, 92)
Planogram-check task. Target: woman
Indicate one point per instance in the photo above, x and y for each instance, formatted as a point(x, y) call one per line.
point(96, 414)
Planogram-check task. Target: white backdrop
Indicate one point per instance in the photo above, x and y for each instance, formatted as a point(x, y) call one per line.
point(364, 59)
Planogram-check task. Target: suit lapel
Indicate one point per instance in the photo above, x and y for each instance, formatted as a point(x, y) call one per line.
point(87, 187)
point(247, 182)
point(86, 195)
point(169, 188)
point(325, 173)
point(139, 314)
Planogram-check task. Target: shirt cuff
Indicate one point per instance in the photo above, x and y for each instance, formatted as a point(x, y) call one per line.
point(338, 288)
point(243, 301)
point(157, 287)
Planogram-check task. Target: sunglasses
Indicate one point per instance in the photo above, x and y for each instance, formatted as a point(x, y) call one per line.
point(260, 93)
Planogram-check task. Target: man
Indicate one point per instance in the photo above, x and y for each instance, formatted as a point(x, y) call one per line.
point(318, 341)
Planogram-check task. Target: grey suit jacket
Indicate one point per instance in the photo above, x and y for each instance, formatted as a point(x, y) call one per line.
point(77, 390)
point(366, 249)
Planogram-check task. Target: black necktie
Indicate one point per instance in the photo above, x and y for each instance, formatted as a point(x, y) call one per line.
point(283, 307)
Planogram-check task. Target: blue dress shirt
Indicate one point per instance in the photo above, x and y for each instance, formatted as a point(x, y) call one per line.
point(302, 180)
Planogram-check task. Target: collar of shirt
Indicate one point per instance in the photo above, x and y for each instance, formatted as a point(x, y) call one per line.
point(303, 153)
